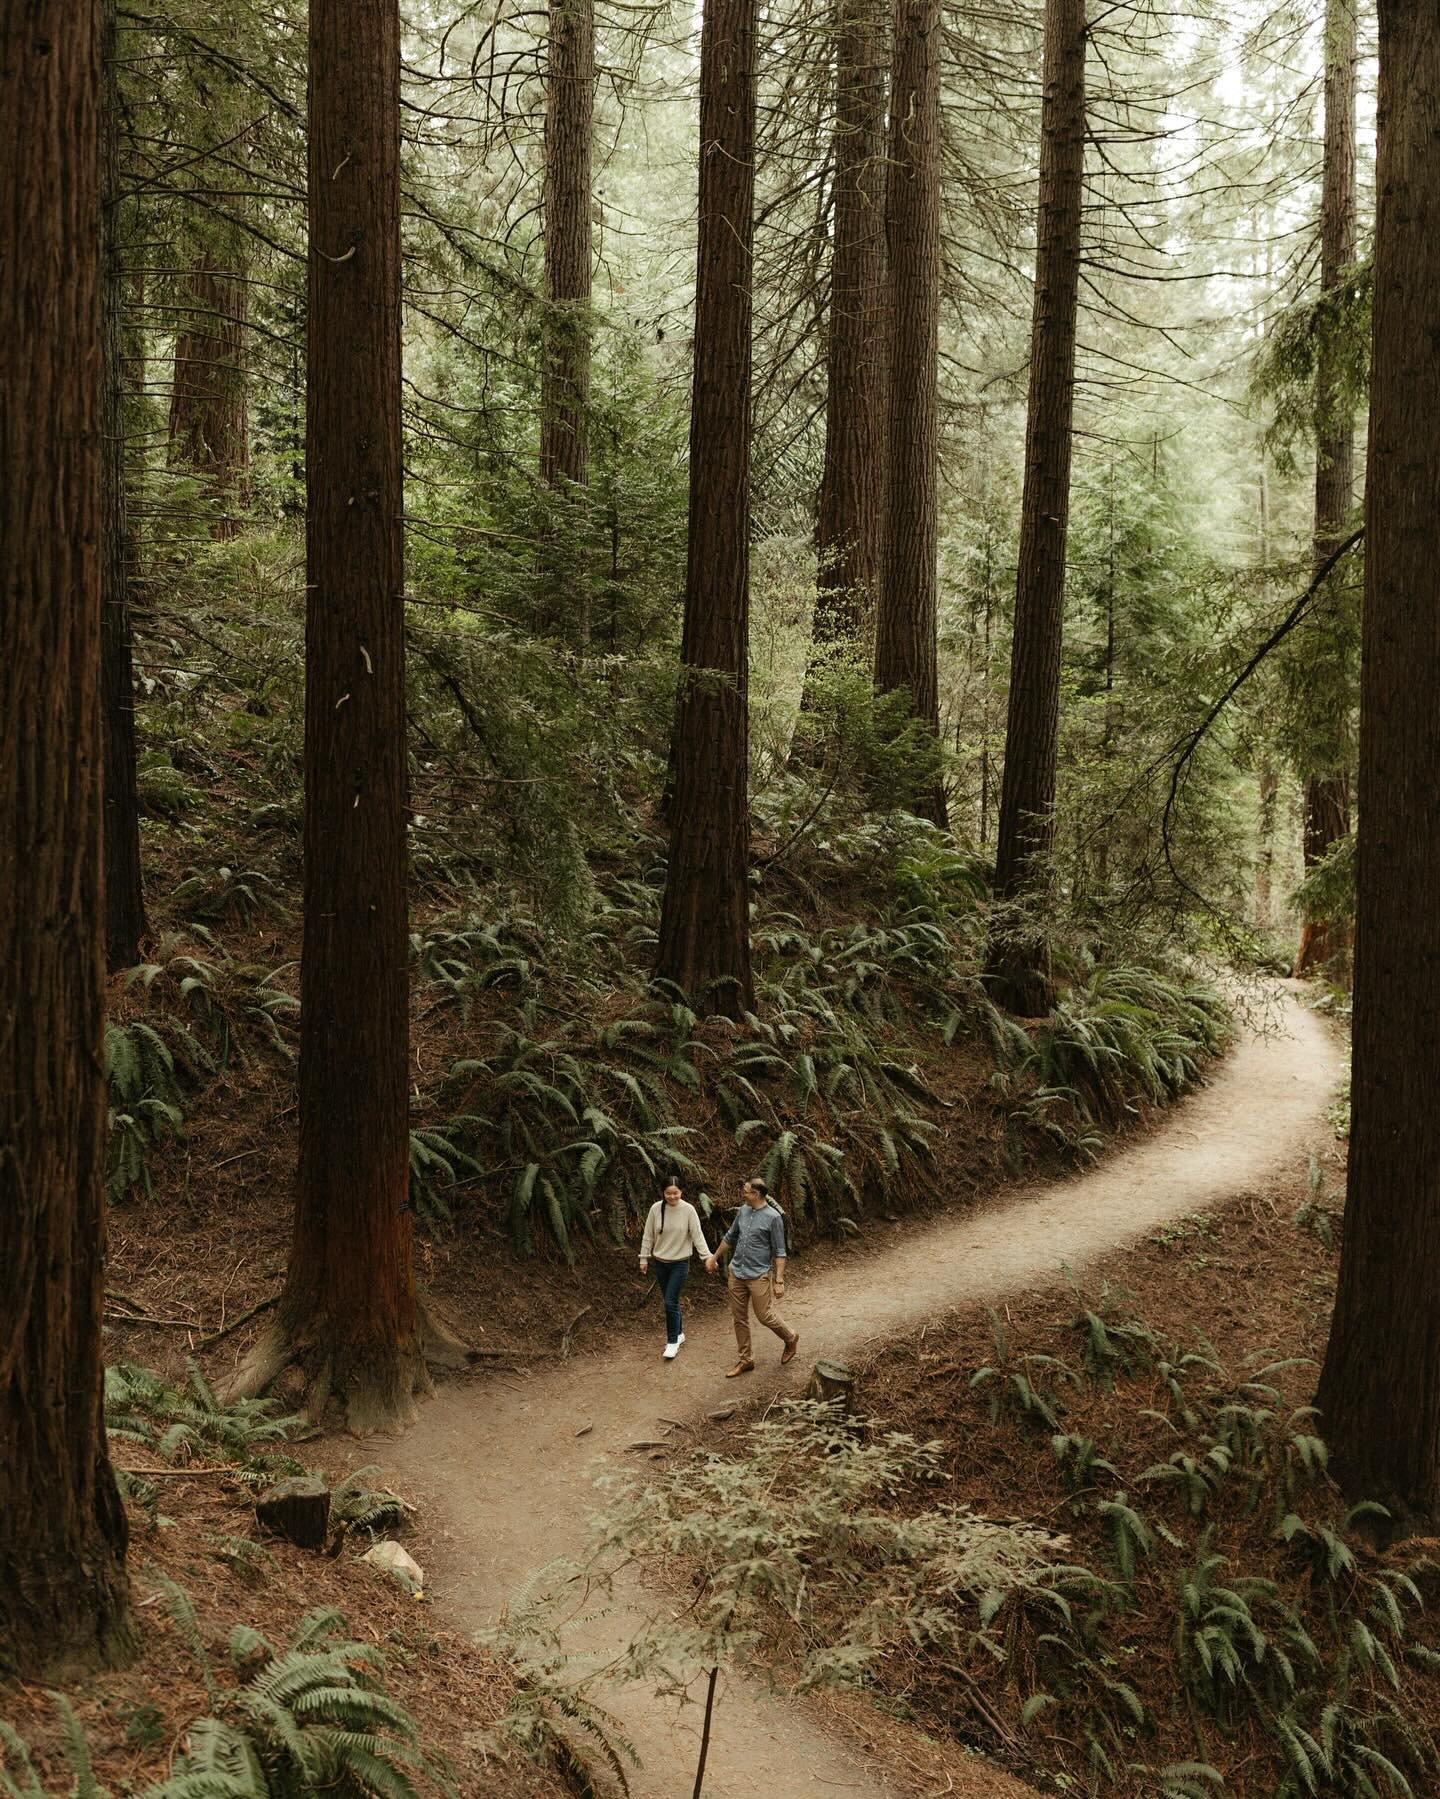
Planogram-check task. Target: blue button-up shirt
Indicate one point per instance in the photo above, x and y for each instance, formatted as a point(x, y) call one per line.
point(756, 1239)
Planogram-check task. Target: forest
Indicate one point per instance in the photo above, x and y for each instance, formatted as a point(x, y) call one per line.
point(716, 731)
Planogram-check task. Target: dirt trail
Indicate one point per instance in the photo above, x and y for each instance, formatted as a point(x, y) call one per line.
point(501, 1462)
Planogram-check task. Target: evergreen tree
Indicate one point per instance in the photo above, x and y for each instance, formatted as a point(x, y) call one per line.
point(1019, 967)
point(905, 634)
point(565, 385)
point(124, 889)
point(1379, 1395)
point(849, 527)
point(64, 1597)
point(1327, 789)
point(348, 1312)
point(705, 919)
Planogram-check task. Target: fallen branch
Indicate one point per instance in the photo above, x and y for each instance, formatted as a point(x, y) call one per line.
point(227, 1330)
point(169, 1324)
point(174, 1473)
point(981, 1704)
point(124, 1299)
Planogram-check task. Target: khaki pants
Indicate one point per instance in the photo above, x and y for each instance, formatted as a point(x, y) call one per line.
point(760, 1294)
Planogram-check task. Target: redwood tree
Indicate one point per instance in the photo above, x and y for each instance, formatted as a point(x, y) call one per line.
point(209, 432)
point(569, 124)
point(348, 1312)
point(905, 647)
point(64, 1598)
point(1019, 962)
point(1379, 1391)
point(849, 526)
point(1327, 790)
point(124, 893)
point(705, 920)
point(565, 366)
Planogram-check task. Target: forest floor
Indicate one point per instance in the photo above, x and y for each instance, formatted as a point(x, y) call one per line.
point(504, 1466)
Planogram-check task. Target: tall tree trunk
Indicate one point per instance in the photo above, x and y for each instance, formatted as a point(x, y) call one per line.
point(124, 893)
point(905, 647)
point(569, 121)
point(849, 526)
point(1019, 962)
point(1265, 848)
point(565, 375)
point(209, 426)
point(348, 1312)
point(1327, 791)
point(1379, 1391)
point(705, 920)
point(64, 1597)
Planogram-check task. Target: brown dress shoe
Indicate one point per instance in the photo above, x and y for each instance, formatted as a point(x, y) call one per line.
point(788, 1353)
point(739, 1368)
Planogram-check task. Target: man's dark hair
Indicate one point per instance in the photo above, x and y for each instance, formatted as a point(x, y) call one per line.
point(759, 1186)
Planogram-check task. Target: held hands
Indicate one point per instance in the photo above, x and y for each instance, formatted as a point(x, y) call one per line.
point(644, 1266)
point(711, 1265)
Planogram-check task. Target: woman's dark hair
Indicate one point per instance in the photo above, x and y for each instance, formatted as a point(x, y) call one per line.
point(671, 1180)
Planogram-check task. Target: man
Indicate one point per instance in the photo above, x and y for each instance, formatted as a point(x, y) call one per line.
point(755, 1244)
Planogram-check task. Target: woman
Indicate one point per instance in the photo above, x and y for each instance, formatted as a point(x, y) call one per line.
point(672, 1235)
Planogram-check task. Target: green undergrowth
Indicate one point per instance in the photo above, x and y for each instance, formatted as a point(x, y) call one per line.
point(284, 1721)
point(561, 1084)
point(581, 1083)
point(831, 1091)
point(185, 1424)
point(1210, 1616)
point(1185, 1608)
point(797, 1569)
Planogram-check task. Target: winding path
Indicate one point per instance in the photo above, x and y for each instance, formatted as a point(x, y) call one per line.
point(504, 1467)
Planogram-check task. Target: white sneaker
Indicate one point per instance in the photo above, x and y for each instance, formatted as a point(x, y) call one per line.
point(672, 1350)
point(680, 1339)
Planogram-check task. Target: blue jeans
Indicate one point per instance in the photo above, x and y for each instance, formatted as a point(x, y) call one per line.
point(670, 1277)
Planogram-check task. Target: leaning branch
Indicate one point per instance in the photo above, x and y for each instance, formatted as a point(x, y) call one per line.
point(1190, 743)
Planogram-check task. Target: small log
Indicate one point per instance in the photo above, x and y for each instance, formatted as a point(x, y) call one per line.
point(833, 1382)
point(297, 1509)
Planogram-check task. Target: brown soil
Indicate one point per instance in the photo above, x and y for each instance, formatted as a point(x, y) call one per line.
point(135, 1721)
point(508, 1464)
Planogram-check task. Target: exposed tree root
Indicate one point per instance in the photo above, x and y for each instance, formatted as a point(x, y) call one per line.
point(369, 1392)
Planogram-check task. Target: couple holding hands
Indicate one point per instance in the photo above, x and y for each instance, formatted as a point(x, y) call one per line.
point(755, 1244)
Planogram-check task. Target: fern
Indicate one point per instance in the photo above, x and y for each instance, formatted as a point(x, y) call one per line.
point(177, 1423)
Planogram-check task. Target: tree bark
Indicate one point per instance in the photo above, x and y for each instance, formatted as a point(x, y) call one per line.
point(348, 1311)
point(209, 425)
point(1019, 960)
point(849, 527)
point(705, 919)
point(565, 371)
point(1327, 791)
point(1265, 847)
point(569, 118)
point(124, 892)
point(1379, 1393)
point(905, 644)
point(64, 1597)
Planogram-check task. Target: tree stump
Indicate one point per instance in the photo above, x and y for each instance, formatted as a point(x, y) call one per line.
point(297, 1509)
point(833, 1383)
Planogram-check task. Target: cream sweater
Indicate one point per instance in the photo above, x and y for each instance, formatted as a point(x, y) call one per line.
point(678, 1233)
